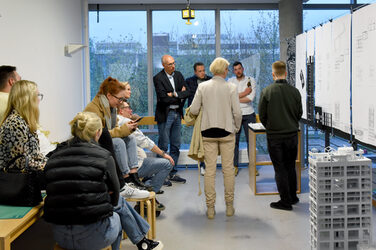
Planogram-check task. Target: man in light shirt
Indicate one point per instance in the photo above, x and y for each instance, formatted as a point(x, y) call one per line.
point(154, 169)
point(247, 92)
point(8, 76)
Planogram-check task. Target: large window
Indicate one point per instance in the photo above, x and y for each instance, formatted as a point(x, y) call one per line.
point(251, 37)
point(186, 43)
point(313, 18)
point(118, 48)
point(328, 2)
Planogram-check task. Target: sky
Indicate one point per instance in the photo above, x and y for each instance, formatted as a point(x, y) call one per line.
point(126, 25)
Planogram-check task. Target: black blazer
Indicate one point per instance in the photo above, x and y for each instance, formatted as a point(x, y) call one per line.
point(163, 86)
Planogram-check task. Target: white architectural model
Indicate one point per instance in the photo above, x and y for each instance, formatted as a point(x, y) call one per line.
point(340, 199)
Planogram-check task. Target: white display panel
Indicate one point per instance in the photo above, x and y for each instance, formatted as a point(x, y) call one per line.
point(323, 66)
point(364, 73)
point(339, 87)
point(310, 43)
point(301, 70)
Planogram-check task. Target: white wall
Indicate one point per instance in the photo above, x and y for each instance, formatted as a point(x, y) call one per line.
point(32, 38)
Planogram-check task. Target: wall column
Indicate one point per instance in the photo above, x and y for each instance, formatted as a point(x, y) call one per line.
point(290, 22)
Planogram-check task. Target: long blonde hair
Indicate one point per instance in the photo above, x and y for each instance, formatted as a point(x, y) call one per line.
point(85, 125)
point(23, 97)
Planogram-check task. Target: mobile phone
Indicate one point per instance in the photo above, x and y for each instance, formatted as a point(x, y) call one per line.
point(139, 119)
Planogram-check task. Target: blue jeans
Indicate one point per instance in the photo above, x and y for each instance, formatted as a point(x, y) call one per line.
point(169, 133)
point(245, 120)
point(105, 232)
point(157, 169)
point(126, 153)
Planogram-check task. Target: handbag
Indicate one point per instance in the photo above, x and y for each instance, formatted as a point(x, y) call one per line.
point(20, 188)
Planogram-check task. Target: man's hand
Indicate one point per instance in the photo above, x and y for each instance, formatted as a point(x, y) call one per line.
point(132, 125)
point(246, 92)
point(170, 94)
point(168, 157)
point(183, 88)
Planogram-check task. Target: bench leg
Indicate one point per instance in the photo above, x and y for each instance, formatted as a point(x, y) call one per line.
point(149, 220)
point(153, 218)
point(5, 244)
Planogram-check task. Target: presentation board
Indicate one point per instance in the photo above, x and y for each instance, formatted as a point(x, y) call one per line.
point(323, 66)
point(301, 70)
point(364, 73)
point(332, 71)
point(339, 86)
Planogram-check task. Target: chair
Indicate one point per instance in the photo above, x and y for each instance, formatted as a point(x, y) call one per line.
point(150, 212)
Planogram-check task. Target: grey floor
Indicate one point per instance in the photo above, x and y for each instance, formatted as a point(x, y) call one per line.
point(183, 225)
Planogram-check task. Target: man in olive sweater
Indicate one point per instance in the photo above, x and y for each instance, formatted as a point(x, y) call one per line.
point(280, 109)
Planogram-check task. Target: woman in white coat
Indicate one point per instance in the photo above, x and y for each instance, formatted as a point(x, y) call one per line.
point(221, 119)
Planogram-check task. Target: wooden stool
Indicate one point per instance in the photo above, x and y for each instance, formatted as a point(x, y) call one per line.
point(150, 212)
point(57, 247)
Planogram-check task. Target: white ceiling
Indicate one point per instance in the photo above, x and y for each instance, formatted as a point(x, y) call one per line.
point(179, 1)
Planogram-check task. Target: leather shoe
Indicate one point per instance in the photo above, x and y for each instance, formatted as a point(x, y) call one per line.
point(281, 205)
point(295, 201)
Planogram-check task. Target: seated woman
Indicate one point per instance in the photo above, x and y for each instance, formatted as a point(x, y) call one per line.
point(104, 104)
point(83, 202)
point(18, 136)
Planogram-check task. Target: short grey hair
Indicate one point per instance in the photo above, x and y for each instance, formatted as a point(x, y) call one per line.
point(218, 66)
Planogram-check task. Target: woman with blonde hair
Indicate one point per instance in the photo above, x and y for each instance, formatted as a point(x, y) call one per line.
point(221, 119)
point(83, 201)
point(18, 129)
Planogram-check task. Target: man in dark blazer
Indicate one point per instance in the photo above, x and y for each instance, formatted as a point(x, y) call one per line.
point(171, 92)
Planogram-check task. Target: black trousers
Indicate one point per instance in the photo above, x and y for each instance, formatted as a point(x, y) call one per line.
point(283, 153)
point(105, 141)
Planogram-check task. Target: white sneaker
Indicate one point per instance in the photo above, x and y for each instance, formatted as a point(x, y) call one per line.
point(202, 171)
point(131, 192)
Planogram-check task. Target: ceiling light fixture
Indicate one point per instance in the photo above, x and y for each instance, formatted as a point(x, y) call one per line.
point(188, 13)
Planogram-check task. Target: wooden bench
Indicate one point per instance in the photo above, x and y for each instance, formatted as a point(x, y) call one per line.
point(10, 229)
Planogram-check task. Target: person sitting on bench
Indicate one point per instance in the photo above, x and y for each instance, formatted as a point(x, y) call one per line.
point(83, 202)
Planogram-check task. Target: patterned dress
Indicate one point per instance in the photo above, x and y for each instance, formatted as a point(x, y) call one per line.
point(17, 139)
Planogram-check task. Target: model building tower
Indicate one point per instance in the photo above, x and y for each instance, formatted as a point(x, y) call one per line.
point(340, 199)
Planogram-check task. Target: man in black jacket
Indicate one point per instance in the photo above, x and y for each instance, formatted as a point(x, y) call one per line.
point(193, 82)
point(171, 92)
point(280, 109)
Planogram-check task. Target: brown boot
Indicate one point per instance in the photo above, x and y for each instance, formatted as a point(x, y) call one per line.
point(210, 213)
point(230, 210)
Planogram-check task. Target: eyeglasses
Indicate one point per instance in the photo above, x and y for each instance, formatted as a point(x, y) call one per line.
point(120, 99)
point(127, 107)
point(171, 64)
point(40, 96)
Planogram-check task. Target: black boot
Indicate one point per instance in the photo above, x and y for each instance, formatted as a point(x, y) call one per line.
point(136, 180)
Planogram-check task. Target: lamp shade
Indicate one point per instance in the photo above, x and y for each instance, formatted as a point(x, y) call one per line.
point(188, 14)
